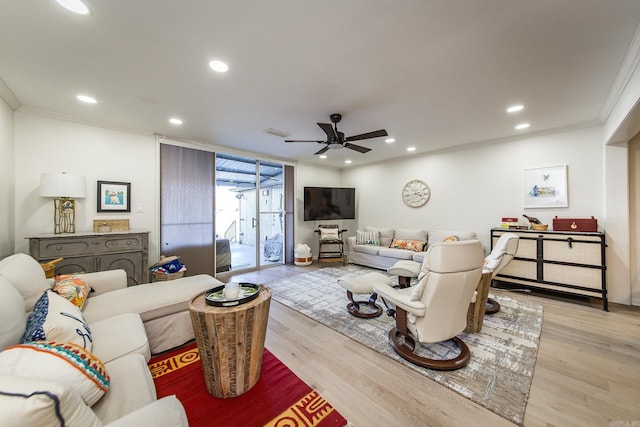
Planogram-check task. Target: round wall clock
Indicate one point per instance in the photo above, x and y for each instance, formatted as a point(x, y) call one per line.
point(416, 193)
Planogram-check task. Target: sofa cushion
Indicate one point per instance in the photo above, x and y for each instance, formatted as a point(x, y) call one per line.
point(55, 318)
point(26, 275)
point(150, 300)
point(366, 249)
point(410, 234)
point(65, 362)
point(411, 245)
point(167, 411)
point(386, 234)
point(396, 253)
point(13, 317)
point(38, 402)
point(131, 388)
point(367, 238)
point(119, 335)
point(72, 288)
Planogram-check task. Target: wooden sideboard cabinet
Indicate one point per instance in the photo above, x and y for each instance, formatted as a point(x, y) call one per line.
point(90, 252)
point(567, 262)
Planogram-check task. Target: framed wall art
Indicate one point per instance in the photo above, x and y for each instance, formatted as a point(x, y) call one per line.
point(114, 196)
point(546, 187)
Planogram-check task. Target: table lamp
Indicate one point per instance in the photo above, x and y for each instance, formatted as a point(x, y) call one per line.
point(64, 188)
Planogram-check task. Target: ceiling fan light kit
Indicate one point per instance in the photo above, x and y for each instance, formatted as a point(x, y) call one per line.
point(336, 139)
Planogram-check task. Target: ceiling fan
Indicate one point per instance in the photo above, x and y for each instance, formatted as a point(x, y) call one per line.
point(336, 139)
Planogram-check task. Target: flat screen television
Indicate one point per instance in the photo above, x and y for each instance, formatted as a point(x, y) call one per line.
point(322, 203)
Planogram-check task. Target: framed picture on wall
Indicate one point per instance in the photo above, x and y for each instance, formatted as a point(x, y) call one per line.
point(114, 196)
point(546, 187)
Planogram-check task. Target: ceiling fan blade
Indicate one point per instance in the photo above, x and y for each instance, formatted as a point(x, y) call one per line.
point(357, 147)
point(301, 140)
point(374, 134)
point(322, 150)
point(329, 130)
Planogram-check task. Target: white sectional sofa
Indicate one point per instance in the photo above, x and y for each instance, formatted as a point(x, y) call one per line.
point(382, 256)
point(45, 381)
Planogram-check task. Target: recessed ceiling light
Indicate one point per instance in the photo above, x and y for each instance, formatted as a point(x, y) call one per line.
point(219, 66)
point(175, 121)
point(522, 126)
point(390, 140)
point(75, 6)
point(515, 108)
point(323, 156)
point(411, 149)
point(87, 99)
point(348, 162)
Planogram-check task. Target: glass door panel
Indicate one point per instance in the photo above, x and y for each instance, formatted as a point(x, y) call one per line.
point(272, 215)
point(236, 221)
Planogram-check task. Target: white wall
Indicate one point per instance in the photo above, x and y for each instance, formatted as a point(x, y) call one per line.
point(50, 145)
point(7, 237)
point(473, 189)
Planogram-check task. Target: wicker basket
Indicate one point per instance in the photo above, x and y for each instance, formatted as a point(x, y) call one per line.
point(158, 277)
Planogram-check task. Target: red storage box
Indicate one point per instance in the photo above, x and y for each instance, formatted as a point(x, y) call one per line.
point(586, 225)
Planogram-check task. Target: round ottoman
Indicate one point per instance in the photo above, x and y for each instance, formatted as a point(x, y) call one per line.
point(363, 284)
point(405, 270)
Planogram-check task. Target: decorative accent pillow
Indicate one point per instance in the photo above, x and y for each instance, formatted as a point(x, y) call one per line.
point(62, 361)
point(37, 402)
point(412, 245)
point(54, 318)
point(367, 238)
point(72, 288)
point(450, 239)
point(329, 234)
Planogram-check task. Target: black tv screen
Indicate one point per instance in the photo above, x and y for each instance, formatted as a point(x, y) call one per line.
point(321, 203)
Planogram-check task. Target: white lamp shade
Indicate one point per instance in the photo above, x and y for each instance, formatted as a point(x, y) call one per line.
point(62, 185)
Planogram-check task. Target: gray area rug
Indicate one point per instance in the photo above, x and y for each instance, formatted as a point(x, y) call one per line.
point(503, 355)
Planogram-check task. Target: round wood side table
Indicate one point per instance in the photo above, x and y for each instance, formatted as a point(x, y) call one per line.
point(230, 341)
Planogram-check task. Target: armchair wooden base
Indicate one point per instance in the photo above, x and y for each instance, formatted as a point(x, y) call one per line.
point(492, 306)
point(363, 309)
point(405, 345)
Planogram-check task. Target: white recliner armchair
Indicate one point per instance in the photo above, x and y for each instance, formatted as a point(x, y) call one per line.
point(435, 310)
point(501, 255)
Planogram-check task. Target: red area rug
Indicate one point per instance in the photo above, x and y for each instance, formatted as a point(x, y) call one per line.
point(278, 399)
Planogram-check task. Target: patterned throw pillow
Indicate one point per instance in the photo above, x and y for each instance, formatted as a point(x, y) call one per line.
point(329, 234)
point(72, 288)
point(62, 361)
point(367, 238)
point(412, 245)
point(54, 318)
point(450, 239)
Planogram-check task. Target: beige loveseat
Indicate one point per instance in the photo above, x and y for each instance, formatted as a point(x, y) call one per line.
point(376, 253)
point(118, 326)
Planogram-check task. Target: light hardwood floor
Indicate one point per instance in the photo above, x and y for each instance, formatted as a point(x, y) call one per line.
point(587, 372)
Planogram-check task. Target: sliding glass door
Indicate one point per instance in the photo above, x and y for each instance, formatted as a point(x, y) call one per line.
point(222, 212)
point(250, 213)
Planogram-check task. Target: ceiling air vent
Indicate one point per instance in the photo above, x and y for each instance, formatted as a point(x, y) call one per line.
point(276, 132)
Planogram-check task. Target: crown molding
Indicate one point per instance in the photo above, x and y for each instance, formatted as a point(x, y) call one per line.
point(629, 65)
point(84, 121)
point(8, 96)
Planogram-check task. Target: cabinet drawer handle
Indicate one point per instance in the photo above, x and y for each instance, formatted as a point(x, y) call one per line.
point(58, 248)
point(128, 242)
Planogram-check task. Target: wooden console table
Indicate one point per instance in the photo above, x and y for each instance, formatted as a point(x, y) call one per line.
point(231, 342)
point(88, 252)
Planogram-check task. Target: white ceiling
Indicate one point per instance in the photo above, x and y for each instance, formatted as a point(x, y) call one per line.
point(433, 73)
